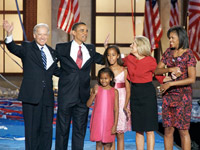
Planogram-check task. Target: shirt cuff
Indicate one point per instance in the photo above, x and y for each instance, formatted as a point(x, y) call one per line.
point(9, 39)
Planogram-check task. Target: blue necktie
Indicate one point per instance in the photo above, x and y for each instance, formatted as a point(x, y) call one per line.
point(44, 58)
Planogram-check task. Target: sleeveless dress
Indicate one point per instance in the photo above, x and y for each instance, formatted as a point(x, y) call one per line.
point(102, 119)
point(124, 122)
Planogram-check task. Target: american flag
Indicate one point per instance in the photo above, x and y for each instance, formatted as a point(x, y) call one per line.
point(152, 25)
point(68, 14)
point(174, 14)
point(194, 27)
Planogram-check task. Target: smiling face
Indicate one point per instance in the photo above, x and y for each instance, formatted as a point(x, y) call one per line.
point(105, 79)
point(41, 35)
point(112, 56)
point(174, 40)
point(80, 34)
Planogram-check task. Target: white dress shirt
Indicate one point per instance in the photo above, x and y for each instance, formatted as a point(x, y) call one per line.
point(46, 51)
point(48, 55)
point(74, 52)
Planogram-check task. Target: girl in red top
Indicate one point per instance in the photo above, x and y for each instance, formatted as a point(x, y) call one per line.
point(143, 101)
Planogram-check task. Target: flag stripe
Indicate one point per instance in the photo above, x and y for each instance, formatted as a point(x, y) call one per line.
point(174, 13)
point(152, 24)
point(60, 13)
point(194, 27)
point(68, 14)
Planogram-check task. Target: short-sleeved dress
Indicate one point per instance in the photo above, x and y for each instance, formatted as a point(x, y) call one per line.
point(102, 119)
point(177, 100)
point(124, 122)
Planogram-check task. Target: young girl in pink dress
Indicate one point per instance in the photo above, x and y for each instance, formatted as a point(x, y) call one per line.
point(114, 62)
point(104, 117)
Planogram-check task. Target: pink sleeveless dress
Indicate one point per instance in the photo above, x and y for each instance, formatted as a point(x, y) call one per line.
point(124, 122)
point(102, 119)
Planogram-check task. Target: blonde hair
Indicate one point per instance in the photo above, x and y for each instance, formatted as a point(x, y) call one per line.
point(143, 46)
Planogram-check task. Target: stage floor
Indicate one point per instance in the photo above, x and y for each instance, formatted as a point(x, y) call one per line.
point(12, 137)
point(12, 128)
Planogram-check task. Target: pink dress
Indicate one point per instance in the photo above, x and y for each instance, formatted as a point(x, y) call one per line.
point(124, 122)
point(102, 119)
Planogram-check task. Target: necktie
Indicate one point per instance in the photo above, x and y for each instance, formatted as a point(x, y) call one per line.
point(44, 58)
point(79, 59)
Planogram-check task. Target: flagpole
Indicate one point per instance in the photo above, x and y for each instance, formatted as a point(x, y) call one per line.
point(133, 19)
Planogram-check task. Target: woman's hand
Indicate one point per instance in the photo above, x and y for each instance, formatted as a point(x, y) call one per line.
point(167, 79)
point(175, 72)
point(164, 87)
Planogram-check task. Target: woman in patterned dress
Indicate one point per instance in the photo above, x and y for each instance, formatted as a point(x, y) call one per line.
point(177, 94)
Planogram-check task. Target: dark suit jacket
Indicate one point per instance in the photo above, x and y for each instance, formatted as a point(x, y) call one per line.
point(74, 83)
point(34, 74)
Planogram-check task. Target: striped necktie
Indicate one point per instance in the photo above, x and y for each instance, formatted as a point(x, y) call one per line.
point(44, 58)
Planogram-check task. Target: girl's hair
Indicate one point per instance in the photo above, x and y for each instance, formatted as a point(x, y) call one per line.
point(182, 36)
point(119, 60)
point(143, 46)
point(111, 74)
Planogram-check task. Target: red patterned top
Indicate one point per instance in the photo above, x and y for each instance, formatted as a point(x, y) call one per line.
point(184, 61)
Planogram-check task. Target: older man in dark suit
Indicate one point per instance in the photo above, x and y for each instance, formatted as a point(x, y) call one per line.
point(36, 92)
point(76, 59)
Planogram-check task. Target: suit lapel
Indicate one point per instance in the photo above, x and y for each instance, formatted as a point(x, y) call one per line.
point(52, 52)
point(91, 53)
point(38, 53)
point(68, 50)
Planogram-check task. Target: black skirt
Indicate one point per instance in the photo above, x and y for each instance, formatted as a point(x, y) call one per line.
point(143, 103)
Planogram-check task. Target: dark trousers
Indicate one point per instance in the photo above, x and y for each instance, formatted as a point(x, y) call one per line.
point(78, 113)
point(38, 119)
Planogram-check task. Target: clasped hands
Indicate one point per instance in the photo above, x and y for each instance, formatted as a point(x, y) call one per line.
point(175, 73)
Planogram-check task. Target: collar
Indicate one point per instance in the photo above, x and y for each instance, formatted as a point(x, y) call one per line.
point(39, 46)
point(76, 44)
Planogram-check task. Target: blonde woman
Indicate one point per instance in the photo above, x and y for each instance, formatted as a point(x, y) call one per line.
point(143, 101)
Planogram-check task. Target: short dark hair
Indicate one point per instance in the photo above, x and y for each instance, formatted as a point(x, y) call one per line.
point(182, 36)
point(111, 74)
point(119, 60)
point(75, 25)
